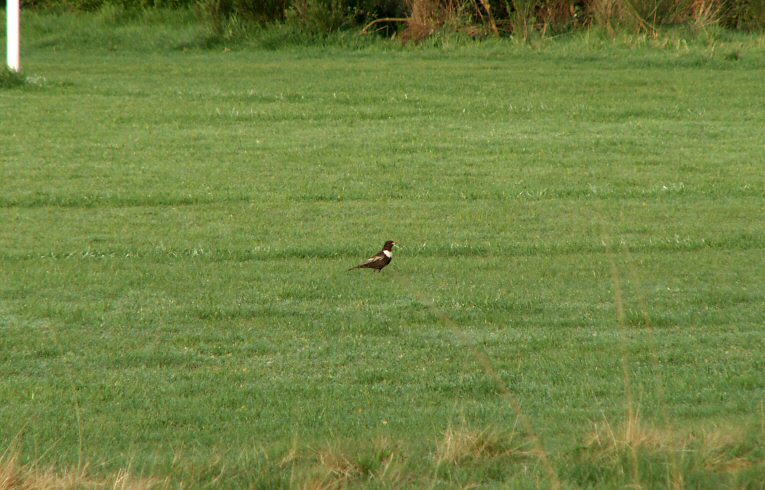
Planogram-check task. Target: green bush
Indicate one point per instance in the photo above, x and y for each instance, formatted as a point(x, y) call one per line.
point(513, 16)
point(91, 5)
point(375, 9)
point(317, 17)
point(744, 14)
point(10, 78)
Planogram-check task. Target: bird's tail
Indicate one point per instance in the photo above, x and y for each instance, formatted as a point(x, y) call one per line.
point(354, 267)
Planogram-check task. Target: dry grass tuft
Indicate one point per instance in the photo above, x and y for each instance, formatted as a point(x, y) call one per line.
point(339, 467)
point(699, 455)
point(427, 17)
point(333, 467)
point(290, 457)
point(650, 16)
point(706, 13)
point(471, 17)
point(460, 445)
point(14, 475)
point(416, 32)
point(719, 450)
point(17, 476)
point(632, 436)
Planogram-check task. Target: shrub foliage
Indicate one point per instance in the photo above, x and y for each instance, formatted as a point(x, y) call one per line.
point(420, 18)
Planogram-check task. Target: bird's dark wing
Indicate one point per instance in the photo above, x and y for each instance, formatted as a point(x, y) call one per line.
point(377, 261)
point(374, 261)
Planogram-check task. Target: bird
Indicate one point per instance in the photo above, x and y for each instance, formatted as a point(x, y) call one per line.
point(378, 260)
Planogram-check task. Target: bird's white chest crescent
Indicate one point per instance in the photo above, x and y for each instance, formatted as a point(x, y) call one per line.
point(388, 253)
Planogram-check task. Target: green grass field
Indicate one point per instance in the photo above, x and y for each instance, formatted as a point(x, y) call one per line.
point(577, 299)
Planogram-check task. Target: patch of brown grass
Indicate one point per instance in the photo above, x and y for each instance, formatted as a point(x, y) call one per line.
point(461, 444)
point(17, 476)
point(714, 451)
point(650, 16)
point(705, 13)
point(471, 17)
point(416, 32)
point(337, 467)
point(632, 436)
point(333, 467)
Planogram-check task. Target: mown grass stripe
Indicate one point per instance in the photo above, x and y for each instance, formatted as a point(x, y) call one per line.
point(663, 192)
point(653, 245)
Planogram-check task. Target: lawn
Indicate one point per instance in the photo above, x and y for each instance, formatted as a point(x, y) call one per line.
point(576, 300)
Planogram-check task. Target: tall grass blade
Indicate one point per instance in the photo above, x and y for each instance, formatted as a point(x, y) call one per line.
point(488, 368)
point(632, 419)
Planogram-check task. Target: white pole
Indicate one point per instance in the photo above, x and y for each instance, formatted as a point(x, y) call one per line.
point(12, 33)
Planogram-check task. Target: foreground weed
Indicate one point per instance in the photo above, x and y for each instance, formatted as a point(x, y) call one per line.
point(10, 78)
point(706, 459)
point(15, 475)
point(335, 467)
point(537, 448)
point(460, 444)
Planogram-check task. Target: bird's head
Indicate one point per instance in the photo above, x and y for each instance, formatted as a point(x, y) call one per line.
point(389, 245)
